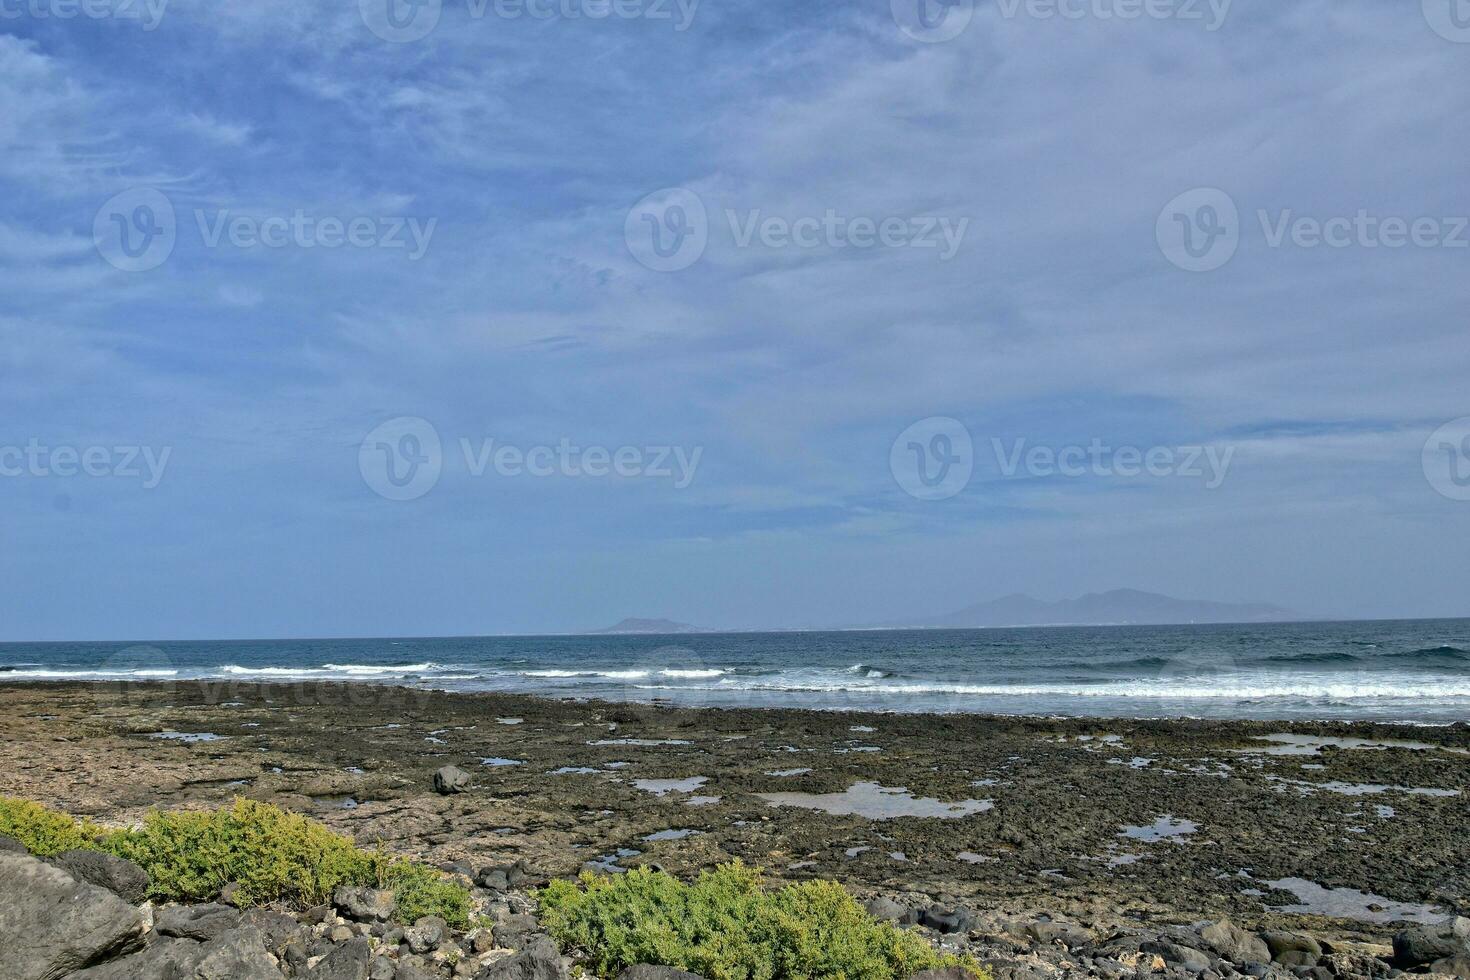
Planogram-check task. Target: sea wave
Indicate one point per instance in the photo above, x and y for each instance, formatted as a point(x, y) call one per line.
point(1239, 689)
point(1439, 654)
point(339, 671)
point(82, 675)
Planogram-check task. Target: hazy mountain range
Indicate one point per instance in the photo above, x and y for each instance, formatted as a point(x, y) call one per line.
point(657, 626)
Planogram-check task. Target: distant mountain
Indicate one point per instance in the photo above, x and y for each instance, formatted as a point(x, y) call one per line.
point(1120, 607)
point(650, 626)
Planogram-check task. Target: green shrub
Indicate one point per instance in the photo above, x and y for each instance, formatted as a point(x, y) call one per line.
point(270, 854)
point(45, 832)
point(725, 926)
point(421, 891)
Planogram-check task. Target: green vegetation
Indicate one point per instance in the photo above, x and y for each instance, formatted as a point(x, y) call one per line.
point(725, 926)
point(44, 832)
point(421, 890)
point(270, 855)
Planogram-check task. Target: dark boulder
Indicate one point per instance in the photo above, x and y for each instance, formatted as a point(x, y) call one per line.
point(1056, 933)
point(236, 955)
point(198, 922)
point(1420, 945)
point(350, 961)
point(124, 878)
point(1184, 957)
point(1230, 942)
point(1453, 966)
point(277, 929)
point(538, 961)
point(451, 779)
point(516, 931)
point(943, 973)
point(946, 920)
point(647, 971)
point(364, 904)
point(55, 925)
point(1292, 948)
point(426, 935)
point(887, 910)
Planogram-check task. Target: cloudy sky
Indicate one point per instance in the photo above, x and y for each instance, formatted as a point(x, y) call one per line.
point(336, 318)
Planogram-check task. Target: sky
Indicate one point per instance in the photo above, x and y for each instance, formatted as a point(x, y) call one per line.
point(460, 317)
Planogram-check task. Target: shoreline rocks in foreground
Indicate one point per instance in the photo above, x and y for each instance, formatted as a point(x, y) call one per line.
point(61, 926)
point(1048, 847)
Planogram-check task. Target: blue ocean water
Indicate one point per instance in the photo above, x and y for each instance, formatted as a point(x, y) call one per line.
point(1404, 670)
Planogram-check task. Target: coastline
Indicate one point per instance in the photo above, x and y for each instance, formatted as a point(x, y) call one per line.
point(1027, 815)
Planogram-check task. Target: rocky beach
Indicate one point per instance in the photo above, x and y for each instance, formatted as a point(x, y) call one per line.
point(1044, 847)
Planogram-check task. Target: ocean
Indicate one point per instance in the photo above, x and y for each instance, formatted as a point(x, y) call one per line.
point(1414, 671)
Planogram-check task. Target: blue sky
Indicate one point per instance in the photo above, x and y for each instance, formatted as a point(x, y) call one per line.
point(785, 354)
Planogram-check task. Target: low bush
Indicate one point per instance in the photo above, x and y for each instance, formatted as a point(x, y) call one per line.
point(44, 832)
point(420, 890)
point(726, 926)
point(269, 854)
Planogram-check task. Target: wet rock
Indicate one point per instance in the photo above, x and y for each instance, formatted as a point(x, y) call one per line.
point(451, 779)
point(647, 971)
point(1419, 945)
point(54, 924)
point(124, 878)
point(364, 904)
point(1228, 941)
point(198, 922)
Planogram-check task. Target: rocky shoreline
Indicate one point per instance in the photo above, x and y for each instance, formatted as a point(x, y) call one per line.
point(1045, 847)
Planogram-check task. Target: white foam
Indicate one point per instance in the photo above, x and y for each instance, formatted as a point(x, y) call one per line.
point(66, 675)
point(338, 671)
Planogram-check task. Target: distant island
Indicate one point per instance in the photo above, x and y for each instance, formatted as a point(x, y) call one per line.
point(649, 626)
point(1119, 607)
